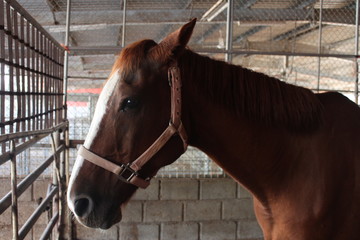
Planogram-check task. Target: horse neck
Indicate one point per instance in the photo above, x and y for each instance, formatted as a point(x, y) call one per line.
point(231, 140)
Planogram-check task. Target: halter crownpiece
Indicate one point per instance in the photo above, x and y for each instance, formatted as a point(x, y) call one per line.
point(129, 173)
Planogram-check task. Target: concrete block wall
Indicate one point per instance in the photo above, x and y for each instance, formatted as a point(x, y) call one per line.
point(170, 209)
point(27, 203)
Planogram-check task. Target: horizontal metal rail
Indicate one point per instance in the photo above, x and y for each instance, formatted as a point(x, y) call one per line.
point(75, 142)
point(5, 202)
point(244, 52)
point(11, 122)
point(20, 148)
point(36, 214)
point(17, 135)
point(18, 66)
point(30, 93)
point(46, 234)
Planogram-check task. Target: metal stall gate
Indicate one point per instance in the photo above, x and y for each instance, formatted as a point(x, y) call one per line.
point(31, 120)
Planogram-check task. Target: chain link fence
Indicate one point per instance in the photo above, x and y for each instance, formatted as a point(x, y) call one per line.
point(312, 43)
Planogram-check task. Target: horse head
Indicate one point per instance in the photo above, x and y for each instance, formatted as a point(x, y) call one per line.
point(130, 137)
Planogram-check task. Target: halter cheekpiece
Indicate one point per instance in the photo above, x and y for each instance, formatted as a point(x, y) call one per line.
point(129, 172)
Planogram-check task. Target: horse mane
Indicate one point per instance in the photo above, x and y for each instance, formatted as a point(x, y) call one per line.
point(254, 95)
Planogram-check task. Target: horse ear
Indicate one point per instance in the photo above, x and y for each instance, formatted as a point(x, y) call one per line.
point(173, 44)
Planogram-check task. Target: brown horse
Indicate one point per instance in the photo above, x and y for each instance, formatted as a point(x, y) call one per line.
point(297, 152)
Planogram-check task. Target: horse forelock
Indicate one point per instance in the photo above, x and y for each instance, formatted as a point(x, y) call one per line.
point(132, 57)
point(254, 95)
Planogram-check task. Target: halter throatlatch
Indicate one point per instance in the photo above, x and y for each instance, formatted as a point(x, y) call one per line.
point(129, 173)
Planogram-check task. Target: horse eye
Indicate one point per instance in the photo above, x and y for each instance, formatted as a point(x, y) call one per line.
point(128, 104)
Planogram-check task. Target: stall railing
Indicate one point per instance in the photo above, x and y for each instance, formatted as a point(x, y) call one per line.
point(32, 107)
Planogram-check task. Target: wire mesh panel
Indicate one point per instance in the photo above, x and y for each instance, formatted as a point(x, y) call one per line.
point(308, 43)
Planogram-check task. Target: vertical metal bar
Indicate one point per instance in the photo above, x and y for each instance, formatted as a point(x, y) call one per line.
point(42, 80)
point(17, 70)
point(54, 74)
point(356, 90)
point(319, 46)
point(38, 78)
point(11, 68)
point(48, 80)
point(58, 87)
point(62, 189)
point(53, 90)
point(69, 221)
point(63, 90)
point(123, 30)
point(66, 55)
point(33, 76)
point(22, 63)
point(46, 86)
point(28, 75)
point(48, 77)
point(50, 213)
point(51, 84)
point(14, 206)
point(2, 70)
point(57, 207)
point(67, 155)
point(49, 65)
point(59, 73)
point(229, 30)
point(48, 72)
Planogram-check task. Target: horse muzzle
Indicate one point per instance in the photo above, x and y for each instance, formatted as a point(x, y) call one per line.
point(90, 215)
point(90, 207)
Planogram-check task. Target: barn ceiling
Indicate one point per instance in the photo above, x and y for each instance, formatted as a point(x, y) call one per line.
point(260, 26)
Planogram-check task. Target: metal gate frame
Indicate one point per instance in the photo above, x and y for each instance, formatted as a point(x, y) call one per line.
point(32, 107)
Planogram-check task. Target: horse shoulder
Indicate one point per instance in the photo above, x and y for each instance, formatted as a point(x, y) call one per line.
point(340, 143)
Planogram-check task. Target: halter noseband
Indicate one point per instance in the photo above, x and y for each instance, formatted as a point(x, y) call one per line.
point(129, 172)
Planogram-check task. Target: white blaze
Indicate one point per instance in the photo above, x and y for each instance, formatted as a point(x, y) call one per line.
point(100, 111)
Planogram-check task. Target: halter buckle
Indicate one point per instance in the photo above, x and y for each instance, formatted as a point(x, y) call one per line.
point(127, 173)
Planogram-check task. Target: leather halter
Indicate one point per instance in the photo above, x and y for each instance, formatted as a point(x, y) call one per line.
point(129, 172)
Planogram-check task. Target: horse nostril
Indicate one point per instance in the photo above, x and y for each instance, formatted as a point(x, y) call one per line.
point(83, 207)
